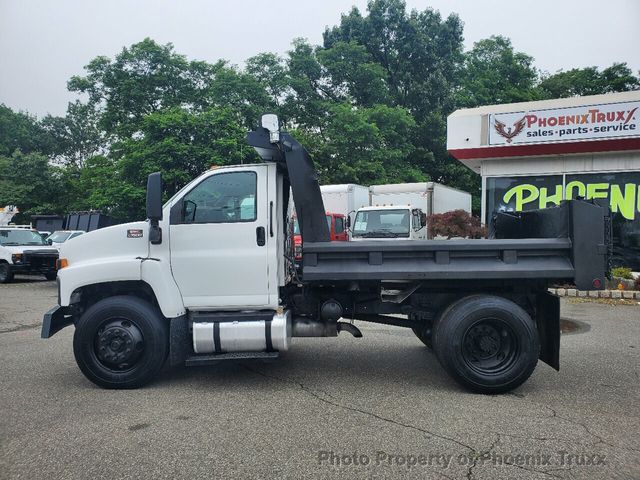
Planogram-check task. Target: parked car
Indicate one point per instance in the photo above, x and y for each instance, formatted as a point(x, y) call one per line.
point(60, 236)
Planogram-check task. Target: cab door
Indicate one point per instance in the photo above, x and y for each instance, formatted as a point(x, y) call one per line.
point(218, 240)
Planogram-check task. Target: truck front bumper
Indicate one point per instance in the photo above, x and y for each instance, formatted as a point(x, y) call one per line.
point(55, 320)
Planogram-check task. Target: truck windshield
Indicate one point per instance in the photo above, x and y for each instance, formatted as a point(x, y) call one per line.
point(20, 237)
point(382, 223)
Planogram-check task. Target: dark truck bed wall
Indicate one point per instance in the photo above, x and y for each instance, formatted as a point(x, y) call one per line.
point(567, 242)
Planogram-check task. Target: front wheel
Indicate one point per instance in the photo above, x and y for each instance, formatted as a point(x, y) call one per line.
point(6, 275)
point(121, 342)
point(51, 275)
point(488, 344)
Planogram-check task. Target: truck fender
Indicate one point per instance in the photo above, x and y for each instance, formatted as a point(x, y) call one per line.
point(157, 274)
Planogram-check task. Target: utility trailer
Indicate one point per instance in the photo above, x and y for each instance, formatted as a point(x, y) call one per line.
point(210, 277)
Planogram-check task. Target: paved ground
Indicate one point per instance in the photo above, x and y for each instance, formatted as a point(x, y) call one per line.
point(382, 399)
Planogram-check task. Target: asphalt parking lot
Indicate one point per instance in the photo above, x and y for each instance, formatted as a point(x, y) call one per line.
point(378, 406)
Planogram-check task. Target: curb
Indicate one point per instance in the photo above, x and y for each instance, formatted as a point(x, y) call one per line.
point(613, 294)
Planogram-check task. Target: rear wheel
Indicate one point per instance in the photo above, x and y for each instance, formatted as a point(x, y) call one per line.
point(6, 275)
point(488, 344)
point(121, 342)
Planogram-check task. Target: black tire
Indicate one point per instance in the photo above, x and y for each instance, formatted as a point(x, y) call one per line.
point(121, 342)
point(51, 275)
point(487, 344)
point(6, 275)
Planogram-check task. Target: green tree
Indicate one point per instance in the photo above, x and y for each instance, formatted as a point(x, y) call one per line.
point(142, 79)
point(365, 145)
point(29, 181)
point(270, 71)
point(589, 81)
point(353, 75)
point(494, 73)
point(21, 131)
point(179, 143)
point(76, 136)
point(419, 54)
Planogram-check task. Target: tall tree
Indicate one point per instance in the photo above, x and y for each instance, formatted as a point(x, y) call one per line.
point(76, 136)
point(419, 53)
point(21, 131)
point(179, 143)
point(589, 81)
point(29, 181)
point(493, 72)
point(140, 80)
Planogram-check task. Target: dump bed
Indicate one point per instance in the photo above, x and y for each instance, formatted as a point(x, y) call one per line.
point(564, 243)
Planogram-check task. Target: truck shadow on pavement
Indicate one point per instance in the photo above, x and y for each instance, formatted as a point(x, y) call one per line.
point(308, 368)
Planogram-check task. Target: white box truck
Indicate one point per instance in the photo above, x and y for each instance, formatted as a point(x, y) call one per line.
point(430, 197)
point(398, 211)
point(346, 198)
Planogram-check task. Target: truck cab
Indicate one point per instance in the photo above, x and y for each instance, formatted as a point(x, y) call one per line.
point(337, 231)
point(389, 222)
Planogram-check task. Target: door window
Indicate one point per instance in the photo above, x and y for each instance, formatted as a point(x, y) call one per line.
point(222, 198)
point(339, 225)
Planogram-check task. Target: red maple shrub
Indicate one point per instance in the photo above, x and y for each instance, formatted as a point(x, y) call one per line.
point(457, 223)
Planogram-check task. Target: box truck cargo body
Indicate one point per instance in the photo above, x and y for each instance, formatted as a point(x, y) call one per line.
point(346, 198)
point(430, 197)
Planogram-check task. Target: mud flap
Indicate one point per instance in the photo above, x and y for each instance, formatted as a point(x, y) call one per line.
point(548, 321)
point(179, 340)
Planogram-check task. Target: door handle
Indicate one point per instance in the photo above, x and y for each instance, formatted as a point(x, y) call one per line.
point(260, 236)
point(271, 219)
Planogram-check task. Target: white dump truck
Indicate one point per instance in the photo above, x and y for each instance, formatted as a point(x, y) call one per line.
point(208, 277)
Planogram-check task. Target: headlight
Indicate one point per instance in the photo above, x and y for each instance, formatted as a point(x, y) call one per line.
point(16, 258)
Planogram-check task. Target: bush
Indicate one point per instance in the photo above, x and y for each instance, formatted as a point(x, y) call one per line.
point(457, 223)
point(622, 272)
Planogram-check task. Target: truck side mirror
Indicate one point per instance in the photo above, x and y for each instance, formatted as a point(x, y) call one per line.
point(154, 206)
point(423, 219)
point(270, 122)
point(348, 221)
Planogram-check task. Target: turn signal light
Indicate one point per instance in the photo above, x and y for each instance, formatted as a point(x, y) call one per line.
point(62, 263)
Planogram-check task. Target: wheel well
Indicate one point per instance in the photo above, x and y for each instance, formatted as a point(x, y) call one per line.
point(84, 297)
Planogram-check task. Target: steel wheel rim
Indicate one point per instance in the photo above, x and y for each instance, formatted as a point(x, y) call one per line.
point(490, 346)
point(118, 344)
